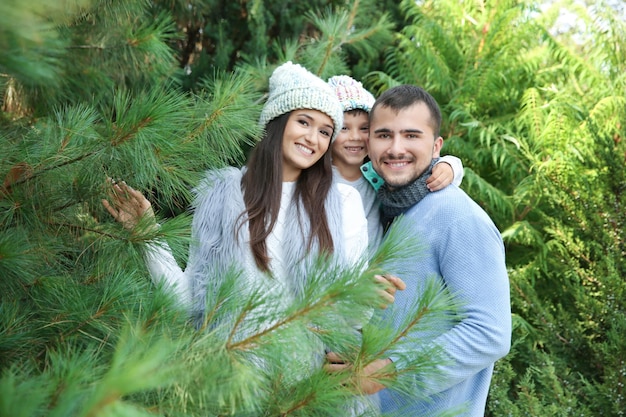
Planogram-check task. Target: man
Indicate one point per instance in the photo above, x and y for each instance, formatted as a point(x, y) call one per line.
point(349, 152)
point(461, 246)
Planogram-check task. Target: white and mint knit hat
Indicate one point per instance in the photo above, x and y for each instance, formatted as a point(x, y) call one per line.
point(293, 87)
point(351, 93)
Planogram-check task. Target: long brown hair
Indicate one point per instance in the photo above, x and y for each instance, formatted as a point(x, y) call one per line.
point(262, 189)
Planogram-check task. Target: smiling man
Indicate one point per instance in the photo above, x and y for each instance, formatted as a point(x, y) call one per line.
point(460, 245)
point(349, 152)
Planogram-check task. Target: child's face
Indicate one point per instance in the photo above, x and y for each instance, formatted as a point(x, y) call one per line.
point(350, 146)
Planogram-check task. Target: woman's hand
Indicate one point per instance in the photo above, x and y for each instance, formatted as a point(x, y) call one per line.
point(442, 176)
point(127, 205)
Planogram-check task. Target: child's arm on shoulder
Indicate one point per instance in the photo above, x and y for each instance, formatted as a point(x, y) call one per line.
point(448, 170)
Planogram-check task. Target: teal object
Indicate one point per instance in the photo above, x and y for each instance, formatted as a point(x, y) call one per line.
point(370, 174)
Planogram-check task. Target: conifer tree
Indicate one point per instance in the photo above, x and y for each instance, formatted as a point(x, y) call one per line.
point(94, 90)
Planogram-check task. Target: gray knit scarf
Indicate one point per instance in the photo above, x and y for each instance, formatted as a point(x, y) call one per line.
point(397, 201)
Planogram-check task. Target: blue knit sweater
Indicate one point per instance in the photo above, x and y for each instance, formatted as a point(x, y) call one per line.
point(462, 246)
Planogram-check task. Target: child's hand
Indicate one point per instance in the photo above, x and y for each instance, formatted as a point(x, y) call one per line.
point(441, 177)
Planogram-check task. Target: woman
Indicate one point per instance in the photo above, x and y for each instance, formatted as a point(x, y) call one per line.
point(270, 220)
point(275, 216)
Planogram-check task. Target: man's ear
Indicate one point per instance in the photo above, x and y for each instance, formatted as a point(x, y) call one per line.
point(437, 147)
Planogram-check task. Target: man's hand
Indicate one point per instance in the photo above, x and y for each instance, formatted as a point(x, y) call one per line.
point(390, 285)
point(442, 176)
point(364, 380)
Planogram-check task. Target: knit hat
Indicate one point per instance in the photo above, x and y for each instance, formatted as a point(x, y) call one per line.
point(351, 93)
point(293, 87)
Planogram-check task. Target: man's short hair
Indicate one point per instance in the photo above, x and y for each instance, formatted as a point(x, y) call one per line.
point(404, 96)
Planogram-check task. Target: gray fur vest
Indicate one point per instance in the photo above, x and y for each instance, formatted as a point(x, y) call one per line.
point(219, 247)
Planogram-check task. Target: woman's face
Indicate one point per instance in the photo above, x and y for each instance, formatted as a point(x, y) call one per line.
point(305, 140)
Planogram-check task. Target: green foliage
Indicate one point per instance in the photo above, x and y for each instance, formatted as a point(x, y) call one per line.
point(92, 92)
point(157, 92)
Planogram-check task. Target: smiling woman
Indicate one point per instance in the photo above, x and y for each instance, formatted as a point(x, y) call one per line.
point(306, 140)
point(286, 186)
point(271, 219)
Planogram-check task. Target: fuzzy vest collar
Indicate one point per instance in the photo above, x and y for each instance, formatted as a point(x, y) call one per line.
point(220, 247)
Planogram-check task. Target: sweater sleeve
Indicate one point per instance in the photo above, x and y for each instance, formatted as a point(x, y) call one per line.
point(467, 253)
point(457, 168)
point(164, 270)
point(474, 271)
point(206, 238)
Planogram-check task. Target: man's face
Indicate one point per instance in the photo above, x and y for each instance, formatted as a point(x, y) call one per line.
point(402, 145)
